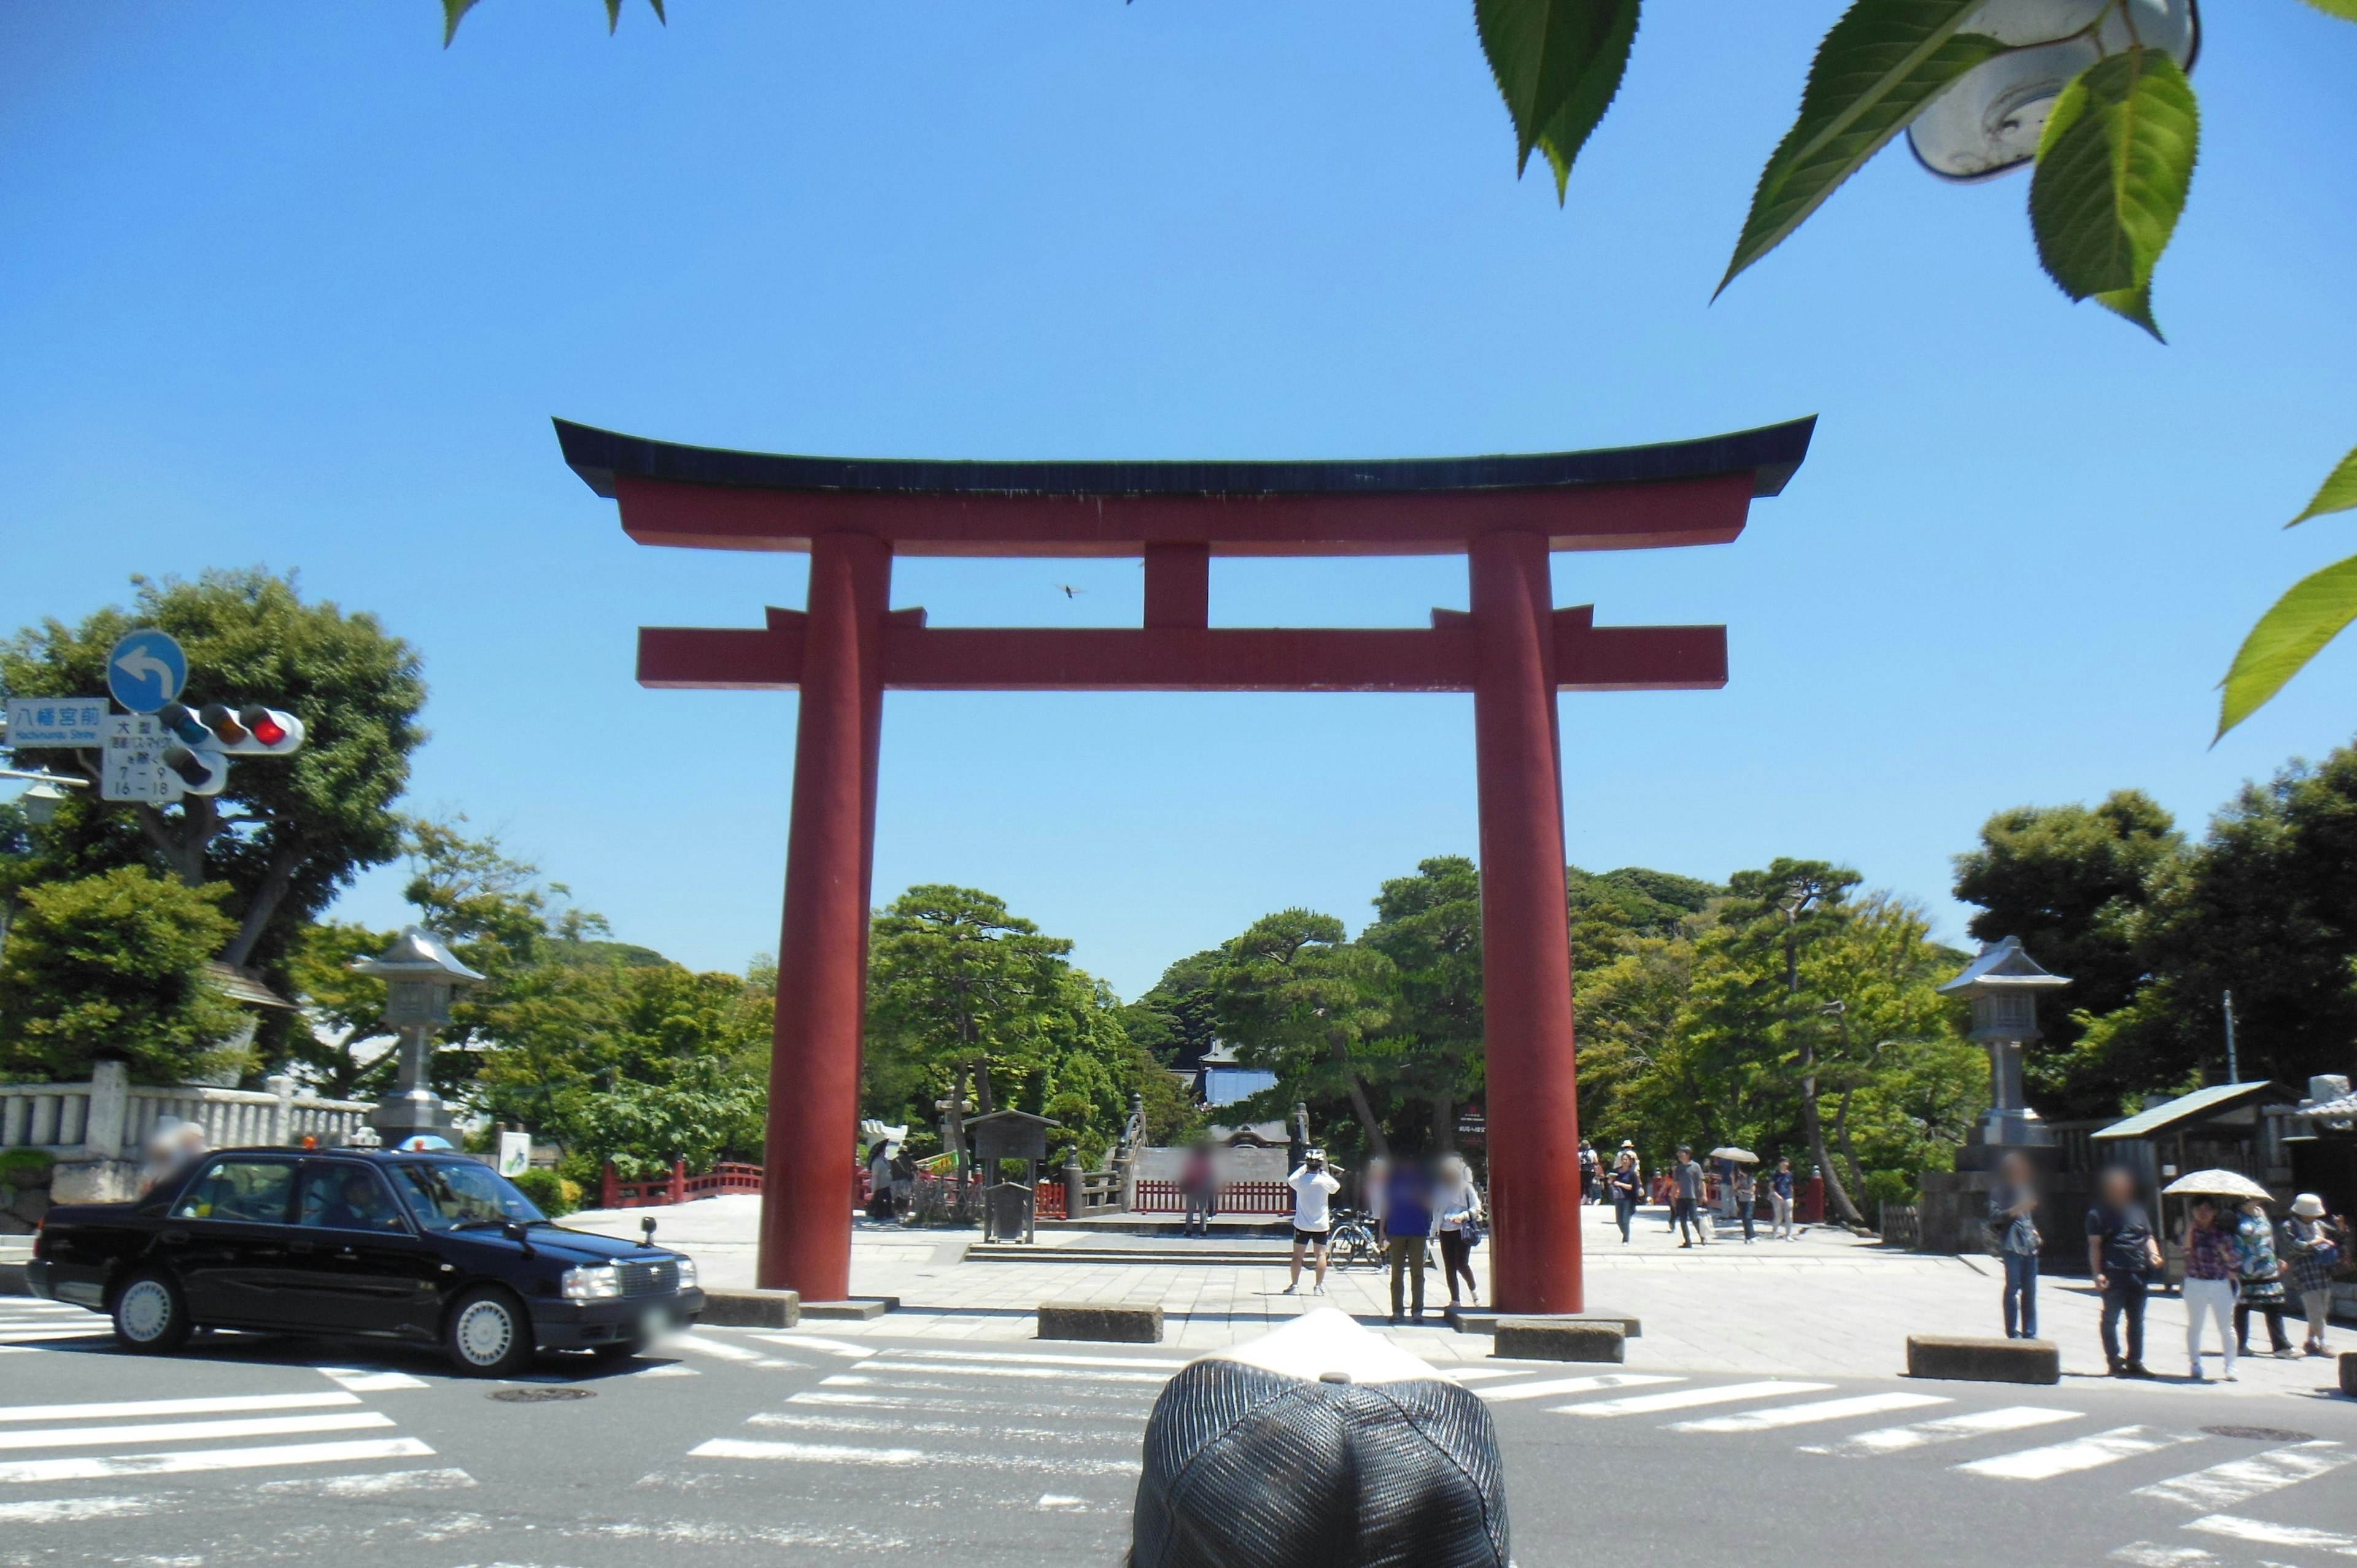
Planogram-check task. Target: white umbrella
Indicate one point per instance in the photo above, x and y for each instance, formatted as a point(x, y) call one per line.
point(2216, 1184)
point(1740, 1156)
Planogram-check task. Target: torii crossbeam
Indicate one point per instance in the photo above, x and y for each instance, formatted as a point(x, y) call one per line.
point(1513, 651)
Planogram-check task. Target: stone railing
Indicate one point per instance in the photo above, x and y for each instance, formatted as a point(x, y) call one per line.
point(106, 1122)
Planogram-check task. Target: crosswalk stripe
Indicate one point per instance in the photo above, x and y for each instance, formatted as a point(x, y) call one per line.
point(1945, 1429)
point(74, 1511)
point(1586, 1385)
point(902, 1459)
point(178, 1431)
point(1039, 1358)
point(1774, 1417)
point(213, 1406)
point(2223, 1486)
point(372, 1381)
point(1485, 1374)
point(2079, 1453)
point(1101, 1414)
point(719, 1350)
point(1042, 1374)
point(1686, 1399)
point(813, 1342)
point(2152, 1554)
point(2259, 1532)
point(185, 1461)
point(794, 1421)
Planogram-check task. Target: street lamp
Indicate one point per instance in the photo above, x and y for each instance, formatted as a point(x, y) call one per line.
point(1989, 120)
point(421, 976)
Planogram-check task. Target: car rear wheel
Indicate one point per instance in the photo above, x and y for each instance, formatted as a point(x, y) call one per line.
point(488, 1334)
point(151, 1315)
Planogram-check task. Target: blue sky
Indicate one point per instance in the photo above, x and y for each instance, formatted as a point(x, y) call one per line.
point(288, 284)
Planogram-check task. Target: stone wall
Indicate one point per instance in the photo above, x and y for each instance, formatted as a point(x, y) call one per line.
point(1953, 1215)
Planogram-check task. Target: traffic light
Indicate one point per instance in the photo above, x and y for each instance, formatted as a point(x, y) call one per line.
point(182, 720)
point(203, 770)
point(250, 731)
point(275, 733)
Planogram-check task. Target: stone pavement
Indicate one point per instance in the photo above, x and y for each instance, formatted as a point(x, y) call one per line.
point(1828, 1304)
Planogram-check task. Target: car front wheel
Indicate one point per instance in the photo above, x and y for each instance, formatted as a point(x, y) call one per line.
point(488, 1334)
point(151, 1315)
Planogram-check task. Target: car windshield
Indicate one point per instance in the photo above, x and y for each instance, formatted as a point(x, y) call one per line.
point(448, 1196)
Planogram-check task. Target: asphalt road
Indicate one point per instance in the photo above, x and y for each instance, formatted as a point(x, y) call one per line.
point(737, 1447)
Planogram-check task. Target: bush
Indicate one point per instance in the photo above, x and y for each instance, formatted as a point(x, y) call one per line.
point(23, 1167)
point(549, 1192)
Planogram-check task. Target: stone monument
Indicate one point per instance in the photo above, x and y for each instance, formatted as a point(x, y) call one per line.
point(2003, 984)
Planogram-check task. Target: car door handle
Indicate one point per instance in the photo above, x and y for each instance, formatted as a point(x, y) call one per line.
point(301, 1249)
point(175, 1237)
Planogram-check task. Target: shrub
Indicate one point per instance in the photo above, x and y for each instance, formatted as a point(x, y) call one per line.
point(16, 1166)
point(547, 1189)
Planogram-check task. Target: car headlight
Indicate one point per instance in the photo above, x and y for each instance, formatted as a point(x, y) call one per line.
point(592, 1281)
point(687, 1273)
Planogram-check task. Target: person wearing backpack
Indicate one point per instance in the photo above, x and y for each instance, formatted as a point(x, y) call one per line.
point(2015, 1232)
point(2123, 1257)
point(2312, 1250)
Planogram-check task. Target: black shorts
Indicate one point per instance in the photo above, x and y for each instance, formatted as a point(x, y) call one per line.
point(1315, 1238)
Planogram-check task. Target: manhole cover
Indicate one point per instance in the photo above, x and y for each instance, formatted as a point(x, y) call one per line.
point(2261, 1434)
point(540, 1396)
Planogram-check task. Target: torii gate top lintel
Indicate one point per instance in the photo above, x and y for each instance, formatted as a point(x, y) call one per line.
point(1673, 493)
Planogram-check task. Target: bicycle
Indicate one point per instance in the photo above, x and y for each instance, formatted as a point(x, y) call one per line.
point(1353, 1241)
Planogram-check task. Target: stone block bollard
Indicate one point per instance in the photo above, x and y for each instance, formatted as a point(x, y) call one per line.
point(751, 1308)
point(1118, 1323)
point(1984, 1360)
point(1321, 1443)
point(1559, 1339)
point(2349, 1373)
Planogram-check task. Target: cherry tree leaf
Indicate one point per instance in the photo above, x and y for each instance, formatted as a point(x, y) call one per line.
point(1875, 72)
point(2339, 492)
point(1558, 64)
point(2311, 615)
point(2114, 166)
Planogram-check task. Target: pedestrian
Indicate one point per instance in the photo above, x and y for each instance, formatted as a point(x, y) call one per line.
point(1198, 1180)
point(1665, 1196)
point(1313, 1185)
point(2211, 1264)
point(2260, 1281)
point(2012, 1208)
point(1628, 1186)
point(1779, 1196)
point(2312, 1247)
point(1686, 1206)
point(1587, 1173)
point(2122, 1256)
point(1747, 1197)
point(1458, 1202)
point(1407, 1229)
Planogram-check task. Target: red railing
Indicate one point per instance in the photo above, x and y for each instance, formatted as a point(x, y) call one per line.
point(677, 1186)
point(1235, 1198)
point(1051, 1203)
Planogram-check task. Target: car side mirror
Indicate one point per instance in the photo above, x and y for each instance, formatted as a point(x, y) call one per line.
point(520, 1233)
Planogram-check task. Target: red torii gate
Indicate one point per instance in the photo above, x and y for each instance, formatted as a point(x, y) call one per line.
point(1515, 650)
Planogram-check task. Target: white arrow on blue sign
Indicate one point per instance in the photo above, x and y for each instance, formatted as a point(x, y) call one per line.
point(146, 670)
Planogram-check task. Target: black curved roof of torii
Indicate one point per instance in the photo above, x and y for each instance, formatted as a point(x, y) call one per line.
point(1769, 454)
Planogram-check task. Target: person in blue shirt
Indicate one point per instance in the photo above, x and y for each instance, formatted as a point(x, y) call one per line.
point(1408, 1228)
point(1779, 1195)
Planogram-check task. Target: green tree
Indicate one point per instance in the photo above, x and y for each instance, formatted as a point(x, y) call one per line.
point(959, 988)
point(113, 966)
point(1429, 926)
point(2074, 884)
point(1608, 909)
point(1178, 1020)
point(288, 834)
point(1298, 1000)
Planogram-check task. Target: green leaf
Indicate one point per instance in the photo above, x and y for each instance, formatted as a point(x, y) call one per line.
point(2344, 9)
point(2338, 493)
point(1558, 64)
point(2285, 639)
point(2113, 170)
point(1883, 61)
point(453, 11)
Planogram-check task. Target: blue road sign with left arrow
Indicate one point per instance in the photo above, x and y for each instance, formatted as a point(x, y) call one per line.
point(146, 670)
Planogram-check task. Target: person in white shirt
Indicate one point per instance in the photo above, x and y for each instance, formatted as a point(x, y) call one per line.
point(1312, 1186)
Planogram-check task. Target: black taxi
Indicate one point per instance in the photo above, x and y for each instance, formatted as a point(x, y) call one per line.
point(430, 1248)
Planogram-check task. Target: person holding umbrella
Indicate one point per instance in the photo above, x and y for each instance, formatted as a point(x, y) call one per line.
point(2211, 1264)
point(1742, 1192)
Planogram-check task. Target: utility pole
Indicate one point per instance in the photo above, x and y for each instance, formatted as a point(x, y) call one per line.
point(2233, 1064)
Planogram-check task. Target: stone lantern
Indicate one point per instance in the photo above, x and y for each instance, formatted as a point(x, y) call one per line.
point(421, 975)
point(2002, 984)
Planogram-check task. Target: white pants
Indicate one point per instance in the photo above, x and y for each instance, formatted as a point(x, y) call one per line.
point(2212, 1298)
point(1784, 1207)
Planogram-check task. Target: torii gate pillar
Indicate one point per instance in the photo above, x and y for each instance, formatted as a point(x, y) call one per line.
point(1532, 1100)
point(823, 945)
